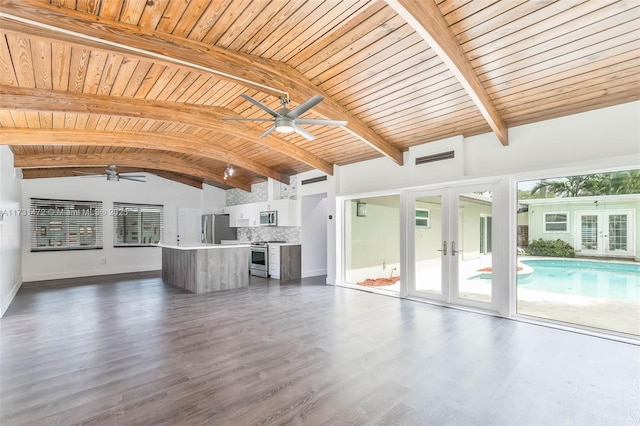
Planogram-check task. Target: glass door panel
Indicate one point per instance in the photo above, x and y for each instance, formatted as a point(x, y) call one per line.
point(472, 248)
point(428, 245)
point(588, 232)
point(618, 233)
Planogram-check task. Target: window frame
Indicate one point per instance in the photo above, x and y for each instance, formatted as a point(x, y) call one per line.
point(545, 222)
point(417, 218)
point(154, 234)
point(49, 235)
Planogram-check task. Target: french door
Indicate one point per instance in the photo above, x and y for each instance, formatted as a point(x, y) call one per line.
point(450, 247)
point(605, 232)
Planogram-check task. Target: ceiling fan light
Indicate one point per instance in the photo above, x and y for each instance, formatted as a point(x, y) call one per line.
point(284, 126)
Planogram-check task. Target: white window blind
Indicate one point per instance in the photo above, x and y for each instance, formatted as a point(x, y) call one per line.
point(136, 225)
point(65, 225)
point(556, 222)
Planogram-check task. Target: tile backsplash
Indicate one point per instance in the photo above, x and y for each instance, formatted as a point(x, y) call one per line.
point(290, 234)
point(260, 192)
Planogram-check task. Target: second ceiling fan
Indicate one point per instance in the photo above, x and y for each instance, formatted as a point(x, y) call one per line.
point(288, 121)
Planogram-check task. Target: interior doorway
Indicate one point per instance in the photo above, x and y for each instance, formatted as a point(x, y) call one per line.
point(314, 235)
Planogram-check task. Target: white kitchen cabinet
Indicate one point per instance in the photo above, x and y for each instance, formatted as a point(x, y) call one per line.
point(248, 215)
point(287, 212)
point(274, 261)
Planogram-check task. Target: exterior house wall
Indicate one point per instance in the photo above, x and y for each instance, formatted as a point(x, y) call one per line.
point(374, 243)
point(588, 205)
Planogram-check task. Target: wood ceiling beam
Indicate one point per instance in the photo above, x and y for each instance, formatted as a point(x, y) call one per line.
point(53, 172)
point(191, 54)
point(149, 160)
point(184, 143)
point(427, 20)
point(176, 177)
point(207, 117)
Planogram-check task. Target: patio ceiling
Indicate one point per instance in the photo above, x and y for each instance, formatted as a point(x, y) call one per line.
point(146, 84)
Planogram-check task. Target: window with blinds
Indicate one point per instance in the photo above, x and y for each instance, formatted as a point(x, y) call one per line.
point(136, 225)
point(65, 225)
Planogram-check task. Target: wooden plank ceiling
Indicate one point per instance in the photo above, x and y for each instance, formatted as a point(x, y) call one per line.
point(146, 84)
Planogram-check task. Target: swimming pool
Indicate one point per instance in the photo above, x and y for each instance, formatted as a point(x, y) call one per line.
point(607, 280)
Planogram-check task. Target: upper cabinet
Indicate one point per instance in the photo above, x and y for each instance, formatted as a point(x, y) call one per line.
point(287, 212)
point(248, 215)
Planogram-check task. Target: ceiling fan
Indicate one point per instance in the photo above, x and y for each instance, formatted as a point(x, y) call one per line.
point(113, 175)
point(288, 121)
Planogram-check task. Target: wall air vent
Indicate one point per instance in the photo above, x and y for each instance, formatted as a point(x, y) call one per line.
point(435, 157)
point(314, 180)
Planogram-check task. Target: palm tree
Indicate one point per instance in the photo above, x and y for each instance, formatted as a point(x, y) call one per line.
point(572, 186)
point(627, 182)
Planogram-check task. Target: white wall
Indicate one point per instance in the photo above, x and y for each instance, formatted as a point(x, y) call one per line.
point(75, 263)
point(212, 199)
point(10, 230)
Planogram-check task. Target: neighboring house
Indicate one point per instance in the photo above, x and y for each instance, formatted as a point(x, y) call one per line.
point(599, 226)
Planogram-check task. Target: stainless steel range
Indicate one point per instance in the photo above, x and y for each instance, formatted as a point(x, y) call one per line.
point(259, 260)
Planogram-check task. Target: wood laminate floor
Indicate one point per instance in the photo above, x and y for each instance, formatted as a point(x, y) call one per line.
point(127, 350)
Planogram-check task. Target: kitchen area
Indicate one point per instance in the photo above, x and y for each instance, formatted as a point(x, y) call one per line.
point(256, 233)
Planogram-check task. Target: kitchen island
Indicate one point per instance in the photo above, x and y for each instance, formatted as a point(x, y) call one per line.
point(205, 268)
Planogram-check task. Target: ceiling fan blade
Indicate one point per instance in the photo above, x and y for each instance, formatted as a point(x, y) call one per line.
point(260, 105)
point(321, 122)
point(131, 178)
point(299, 130)
point(126, 175)
point(269, 130)
point(305, 106)
point(248, 119)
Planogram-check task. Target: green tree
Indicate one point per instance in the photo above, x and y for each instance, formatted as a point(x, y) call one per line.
point(616, 183)
point(572, 186)
point(627, 182)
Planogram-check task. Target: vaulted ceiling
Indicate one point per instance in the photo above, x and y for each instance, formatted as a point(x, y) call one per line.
point(145, 84)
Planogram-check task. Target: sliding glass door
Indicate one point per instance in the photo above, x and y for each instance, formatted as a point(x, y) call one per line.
point(450, 241)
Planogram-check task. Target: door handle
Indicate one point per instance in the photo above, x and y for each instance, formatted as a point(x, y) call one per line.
point(453, 248)
point(444, 248)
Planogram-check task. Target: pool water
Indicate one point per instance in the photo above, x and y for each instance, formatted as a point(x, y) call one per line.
point(607, 280)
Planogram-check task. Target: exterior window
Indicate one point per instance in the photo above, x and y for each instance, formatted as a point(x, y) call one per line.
point(58, 225)
point(556, 222)
point(422, 218)
point(136, 225)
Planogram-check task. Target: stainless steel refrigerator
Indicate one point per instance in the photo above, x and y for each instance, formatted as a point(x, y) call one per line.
point(215, 227)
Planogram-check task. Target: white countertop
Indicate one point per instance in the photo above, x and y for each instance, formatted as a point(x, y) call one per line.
point(283, 244)
point(204, 246)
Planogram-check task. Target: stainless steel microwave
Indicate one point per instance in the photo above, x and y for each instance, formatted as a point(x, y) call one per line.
point(269, 218)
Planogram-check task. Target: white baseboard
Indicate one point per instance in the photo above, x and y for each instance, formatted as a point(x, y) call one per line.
point(6, 302)
point(89, 273)
point(314, 273)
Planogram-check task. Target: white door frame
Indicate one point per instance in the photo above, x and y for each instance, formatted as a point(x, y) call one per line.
point(450, 262)
point(602, 233)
